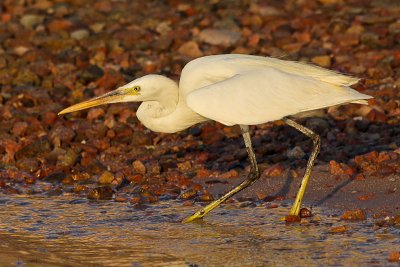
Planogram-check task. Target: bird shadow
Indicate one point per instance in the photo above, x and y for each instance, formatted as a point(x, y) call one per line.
point(334, 191)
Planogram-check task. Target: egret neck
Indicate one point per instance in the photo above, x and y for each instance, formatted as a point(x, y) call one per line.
point(165, 111)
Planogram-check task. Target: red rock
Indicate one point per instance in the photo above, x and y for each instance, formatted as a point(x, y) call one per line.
point(229, 174)
point(95, 113)
point(323, 61)
point(339, 229)
point(254, 39)
point(59, 25)
point(261, 195)
point(49, 118)
point(78, 188)
point(103, 6)
point(19, 128)
point(43, 4)
point(383, 156)
point(189, 194)
point(135, 200)
point(376, 116)
point(188, 203)
point(394, 256)
point(359, 177)
point(365, 197)
point(305, 213)
point(353, 215)
point(11, 147)
point(292, 218)
point(110, 80)
point(190, 49)
point(5, 17)
point(340, 168)
point(121, 199)
point(125, 114)
point(106, 178)
point(274, 171)
point(101, 144)
point(83, 176)
point(203, 173)
point(137, 178)
point(139, 167)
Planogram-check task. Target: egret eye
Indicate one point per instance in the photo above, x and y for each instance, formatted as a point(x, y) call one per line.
point(136, 88)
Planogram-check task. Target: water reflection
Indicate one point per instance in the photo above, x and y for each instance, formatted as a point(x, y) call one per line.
point(74, 232)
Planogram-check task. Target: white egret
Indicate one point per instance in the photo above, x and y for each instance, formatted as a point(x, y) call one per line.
point(235, 90)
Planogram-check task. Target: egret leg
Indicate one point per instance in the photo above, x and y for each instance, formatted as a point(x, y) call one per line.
point(251, 178)
point(316, 146)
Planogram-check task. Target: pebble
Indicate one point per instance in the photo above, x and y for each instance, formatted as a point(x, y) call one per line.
point(323, 61)
point(69, 159)
point(79, 34)
point(394, 256)
point(55, 178)
point(188, 194)
point(91, 73)
point(305, 213)
point(274, 171)
point(362, 124)
point(139, 138)
point(35, 149)
point(339, 229)
point(139, 167)
point(292, 218)
point(106, 178)
point(219, 37)
point(190, 49)
point(61, 134)
point(100, 193)
point(354, 215)
point(19, 128)
point(340, 168)
point(295, 153)
point(31, 20)
point(319, 125)
point(28, 164)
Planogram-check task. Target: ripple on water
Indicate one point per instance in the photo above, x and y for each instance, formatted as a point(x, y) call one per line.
point(63, 231)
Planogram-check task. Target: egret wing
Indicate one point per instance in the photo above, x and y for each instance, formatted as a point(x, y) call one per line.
point(260, 96)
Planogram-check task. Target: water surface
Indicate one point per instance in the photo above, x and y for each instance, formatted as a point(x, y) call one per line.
point(69, 231)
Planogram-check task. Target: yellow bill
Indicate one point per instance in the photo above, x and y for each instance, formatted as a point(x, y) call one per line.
point(111, 97)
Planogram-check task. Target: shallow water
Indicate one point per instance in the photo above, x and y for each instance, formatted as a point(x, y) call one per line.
point(67, 231)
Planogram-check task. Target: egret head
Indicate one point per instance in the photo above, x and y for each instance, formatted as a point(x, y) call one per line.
point(147, 88)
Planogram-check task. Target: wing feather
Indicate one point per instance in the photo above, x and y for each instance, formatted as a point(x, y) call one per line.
point(256, 97)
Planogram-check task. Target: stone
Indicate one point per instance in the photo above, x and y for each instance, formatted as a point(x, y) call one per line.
point(79, 34)
point(139, 167)
point(19, 128)
point(100, 193)
point(190, 49)
point(29, 21)
point(354, 215)
point(219, 37)
point(35, 149)
point(106, 178)
point(295, 153)
point(323, 61)
point(69, 159)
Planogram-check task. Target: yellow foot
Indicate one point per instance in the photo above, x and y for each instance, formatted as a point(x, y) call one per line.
point(295, 210)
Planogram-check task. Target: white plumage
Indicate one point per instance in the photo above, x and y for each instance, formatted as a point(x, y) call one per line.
point(235, 89)
point(232, 89)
